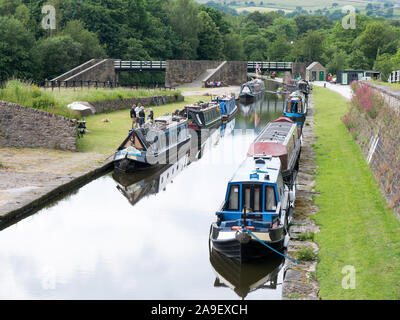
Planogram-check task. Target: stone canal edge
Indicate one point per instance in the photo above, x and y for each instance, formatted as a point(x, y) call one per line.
point(52, 191)
point(300, 279)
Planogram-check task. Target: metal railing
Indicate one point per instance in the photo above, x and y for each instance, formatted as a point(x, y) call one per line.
point(266, 66)
point(78, 84)
point(140, 65)
point(161, 65)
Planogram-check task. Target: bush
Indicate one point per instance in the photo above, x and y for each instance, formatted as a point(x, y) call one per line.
point(366, 99)
point(43, 102)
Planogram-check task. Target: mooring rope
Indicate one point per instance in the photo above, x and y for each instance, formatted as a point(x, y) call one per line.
point(255, 237)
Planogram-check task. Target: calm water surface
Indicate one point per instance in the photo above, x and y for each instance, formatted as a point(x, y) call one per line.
point(144, 236)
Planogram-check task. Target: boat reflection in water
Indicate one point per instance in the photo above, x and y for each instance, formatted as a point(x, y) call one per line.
point(244, 278)
point(138, 185)
point(260, 112)
point(141, 184)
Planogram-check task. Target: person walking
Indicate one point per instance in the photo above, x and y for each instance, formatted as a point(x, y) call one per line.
point(133, 115)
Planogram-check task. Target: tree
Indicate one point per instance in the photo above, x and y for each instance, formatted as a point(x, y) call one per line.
point(306, 22)
point(337, 62)
point(185, 24)
point(56, 55)
point(385, 64)
point(286, 26)
point(310, 47)
point(210, 39)
point(280, 49)
point(89, 41)
point(255, 47)
point(234, 47)
point(377, 37)
point(15, 49)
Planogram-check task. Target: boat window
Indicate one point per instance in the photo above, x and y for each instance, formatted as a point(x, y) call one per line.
point(299, 108)
point(233, 200)
point(289, 107)
point(270, 200)
point(252, 198)
point(246, 89)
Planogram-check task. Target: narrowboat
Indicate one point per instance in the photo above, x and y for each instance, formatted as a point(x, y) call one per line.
point(244, 278)
point(257, 209)
point(202, 115)
point(154, 144)
point(228, 107)
point(281, 139)
point(296, 108)
point(304, 87)
point(140, 185)
point(252, 90)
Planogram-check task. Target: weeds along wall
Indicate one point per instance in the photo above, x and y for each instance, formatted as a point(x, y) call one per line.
point(375, 125)
point(25, 127)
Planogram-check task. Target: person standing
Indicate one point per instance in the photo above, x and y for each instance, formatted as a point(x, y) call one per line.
point(150, 117)
point(137, 110)
point(142, 116)
point(133, 115)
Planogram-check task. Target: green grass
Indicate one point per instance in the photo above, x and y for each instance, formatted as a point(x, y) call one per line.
point(356, 229)
point(105, 137)
point(56, 101)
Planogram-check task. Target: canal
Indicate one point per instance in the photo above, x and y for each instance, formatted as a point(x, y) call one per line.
point(144, 236)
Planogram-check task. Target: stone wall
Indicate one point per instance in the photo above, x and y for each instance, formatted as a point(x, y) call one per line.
point(31, 128)
point(379, 140)
point(113, 105)
point(186, 71)
point(231, 73)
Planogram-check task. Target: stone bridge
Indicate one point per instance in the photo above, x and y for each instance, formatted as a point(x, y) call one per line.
point(106, 72)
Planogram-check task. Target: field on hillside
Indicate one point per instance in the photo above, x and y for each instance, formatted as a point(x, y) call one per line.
point(290, 5)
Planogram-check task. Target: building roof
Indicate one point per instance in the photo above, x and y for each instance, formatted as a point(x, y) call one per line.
point(314, 64)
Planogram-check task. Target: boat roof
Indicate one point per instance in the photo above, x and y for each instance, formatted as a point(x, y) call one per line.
point(277, 131)
point(258, 169)
point(202, 106)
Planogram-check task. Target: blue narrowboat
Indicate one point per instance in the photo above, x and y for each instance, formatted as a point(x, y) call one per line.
point(256, 211)
point(296, 108)
point(155, 144)
point(228, 107)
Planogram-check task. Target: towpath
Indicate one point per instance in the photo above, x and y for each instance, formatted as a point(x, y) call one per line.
point(344, 90)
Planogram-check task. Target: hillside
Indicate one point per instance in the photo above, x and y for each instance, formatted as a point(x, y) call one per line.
point(308, 5)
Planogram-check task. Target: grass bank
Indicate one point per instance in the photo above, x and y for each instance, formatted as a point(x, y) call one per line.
point(56, 101)
point(107, 130)
point(356, 228)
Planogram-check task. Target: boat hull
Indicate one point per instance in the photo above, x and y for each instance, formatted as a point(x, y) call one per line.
point(253, 249)
point(128, 165)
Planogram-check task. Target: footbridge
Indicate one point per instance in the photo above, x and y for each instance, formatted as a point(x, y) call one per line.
point(106, 72)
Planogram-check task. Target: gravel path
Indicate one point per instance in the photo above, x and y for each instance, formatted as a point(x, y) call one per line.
point(344, 90)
